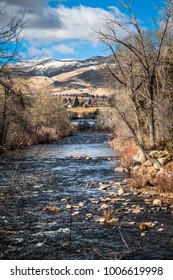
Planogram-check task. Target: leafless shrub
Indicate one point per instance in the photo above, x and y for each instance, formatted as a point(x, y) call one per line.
point(165, 181)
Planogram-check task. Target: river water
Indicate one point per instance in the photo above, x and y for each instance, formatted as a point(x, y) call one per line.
point(53, 199)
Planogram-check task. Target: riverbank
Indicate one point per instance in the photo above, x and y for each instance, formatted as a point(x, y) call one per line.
point(154, 174)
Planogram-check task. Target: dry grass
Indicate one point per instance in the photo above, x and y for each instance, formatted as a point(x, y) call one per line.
point(84, 112)
point(165, 182)
point(127, 150)
point(127, 154)
point(139, 182)
point(107, 214)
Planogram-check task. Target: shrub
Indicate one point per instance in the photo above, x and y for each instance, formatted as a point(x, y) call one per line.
point(165, 181)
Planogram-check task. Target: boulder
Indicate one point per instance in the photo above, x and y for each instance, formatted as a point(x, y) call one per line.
point(163, 160)
point(120, 191)
point(153, 153)
point(139, 157)
point(162, 154)
point(104, 206)
point(121, 170)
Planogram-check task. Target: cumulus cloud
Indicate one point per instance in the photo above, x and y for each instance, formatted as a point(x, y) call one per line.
point(44, 22)
point(48, 25)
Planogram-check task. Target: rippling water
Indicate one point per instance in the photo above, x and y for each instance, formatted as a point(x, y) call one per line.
point(51, 204)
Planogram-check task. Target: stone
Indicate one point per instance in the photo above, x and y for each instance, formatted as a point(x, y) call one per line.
point(112, 221)
point(121, 170)
point(139, 157)
point(132, 223)
point(104, 186)
point(163, 160)
point(75, 213)
point(157, 201)
point(81, 204)
point(120, 191)
point(147, 201)
point(162, 154)
point(160, 229)
point(95, 202)
point(64, 199)
point(153, 153)
point(89, 215)
point(69, 207)
point(101, 220)
point(104, 206)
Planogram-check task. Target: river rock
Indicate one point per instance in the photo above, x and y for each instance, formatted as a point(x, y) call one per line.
point(121, 170)
point(163, 160)
point(69, 207)
point(104, 206)
point(120, 191)
point(104, 186)
point(81, 204)
point(139, 157)
point(75, 213)
point(157, 201)
point(160, 229)
point(101, 220)
point(153, 153)
point(95, 202)
point(89, 215)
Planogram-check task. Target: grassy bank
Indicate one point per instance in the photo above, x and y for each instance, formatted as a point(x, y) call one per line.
point(85, 112)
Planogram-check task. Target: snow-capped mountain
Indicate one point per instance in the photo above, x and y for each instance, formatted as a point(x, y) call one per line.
point(52, 67)
point(67, 76)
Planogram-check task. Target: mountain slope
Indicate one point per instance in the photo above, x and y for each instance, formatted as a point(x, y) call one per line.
point(68, 76)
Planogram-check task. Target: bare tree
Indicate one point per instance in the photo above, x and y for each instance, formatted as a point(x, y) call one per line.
point(138, 57)
point(13, 119)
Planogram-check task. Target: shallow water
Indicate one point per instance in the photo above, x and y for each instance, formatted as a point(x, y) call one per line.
point(51, 205)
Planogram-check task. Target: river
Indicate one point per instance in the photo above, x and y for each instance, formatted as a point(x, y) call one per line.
point(55, 199)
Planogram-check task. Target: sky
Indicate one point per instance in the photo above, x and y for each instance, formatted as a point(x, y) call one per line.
point(64, 29)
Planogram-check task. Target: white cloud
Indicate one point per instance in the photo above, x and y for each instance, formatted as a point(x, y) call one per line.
point(64, 49)
point(61, 23)
point(51, 51)
point(55, 26)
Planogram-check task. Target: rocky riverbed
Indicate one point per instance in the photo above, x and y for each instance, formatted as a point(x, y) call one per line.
point(66, 202)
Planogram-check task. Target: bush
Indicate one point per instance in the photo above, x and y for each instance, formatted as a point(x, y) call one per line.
point(165, 181)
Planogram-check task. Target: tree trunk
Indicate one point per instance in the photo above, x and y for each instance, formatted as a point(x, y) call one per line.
point(151, 113)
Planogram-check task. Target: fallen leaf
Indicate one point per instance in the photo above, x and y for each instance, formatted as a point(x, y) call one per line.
point(51, 208)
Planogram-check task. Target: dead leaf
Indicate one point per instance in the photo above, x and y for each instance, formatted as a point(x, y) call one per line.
point(51, 208)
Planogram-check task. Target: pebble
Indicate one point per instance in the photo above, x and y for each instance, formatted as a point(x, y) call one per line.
point(101, 220)
point(64, 199)
point(160, 229)
point(68, 207)
point(81, 204)
point(95, 202)
point(120, 191)
point(75, 213)
point(147, 201)
point(132, 223)
point(157, 201)
point(104, 206)
point(89, 215)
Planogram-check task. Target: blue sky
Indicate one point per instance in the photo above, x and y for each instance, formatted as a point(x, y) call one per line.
point(64, 28)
